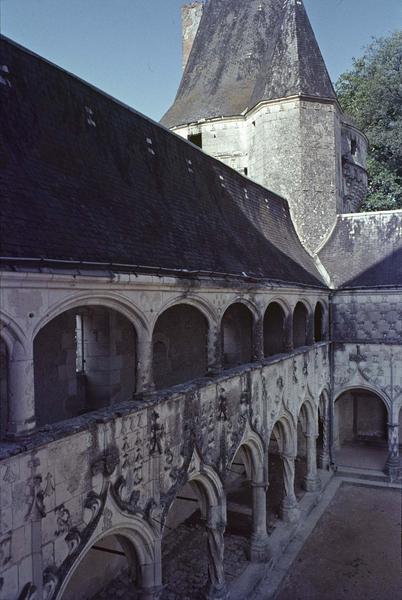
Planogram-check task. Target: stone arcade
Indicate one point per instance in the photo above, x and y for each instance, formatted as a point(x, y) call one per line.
point(180, 376)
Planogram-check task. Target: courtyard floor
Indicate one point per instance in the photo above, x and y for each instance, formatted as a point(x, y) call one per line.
point(354, 552)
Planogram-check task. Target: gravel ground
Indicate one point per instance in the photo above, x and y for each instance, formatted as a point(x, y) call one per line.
point(354, 552)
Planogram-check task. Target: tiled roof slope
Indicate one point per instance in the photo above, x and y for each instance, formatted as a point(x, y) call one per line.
point(85, 178)
point(245, 52)
point(365, 250)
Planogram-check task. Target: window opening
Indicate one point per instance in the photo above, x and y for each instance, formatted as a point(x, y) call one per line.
point(196, 139)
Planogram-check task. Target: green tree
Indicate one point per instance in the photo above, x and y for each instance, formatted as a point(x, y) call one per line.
point(371, 92)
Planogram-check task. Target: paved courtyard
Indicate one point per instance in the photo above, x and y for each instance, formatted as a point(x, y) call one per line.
point(354, 552)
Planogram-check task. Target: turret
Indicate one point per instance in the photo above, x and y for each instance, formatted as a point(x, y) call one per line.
point(256, 94)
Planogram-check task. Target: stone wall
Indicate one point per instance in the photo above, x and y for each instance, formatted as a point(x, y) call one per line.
point(368, 316)
point(120, 471)
point(56, 389)
point(299, 149)
point(180, 346)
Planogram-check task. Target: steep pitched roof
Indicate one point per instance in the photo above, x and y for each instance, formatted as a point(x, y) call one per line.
point(245, 52)
point(85, 178)
point(365, 250)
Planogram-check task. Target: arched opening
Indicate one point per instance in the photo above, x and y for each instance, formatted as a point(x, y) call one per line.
point(180, 346)
point(306, 463)
point(360, 430)
point(301, 460)
point(319, 325)
point(84, 359)
point(275, 491)
point(237, 335)
point(3, 388)
point(186, 545)
point(239, 502)
point(274, 330)
point(323, 455)
point(300, 324)
point(110, 569)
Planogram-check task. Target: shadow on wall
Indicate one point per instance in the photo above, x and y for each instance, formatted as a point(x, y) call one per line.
point(180, 346)
point(237, 335)
point(84, 359)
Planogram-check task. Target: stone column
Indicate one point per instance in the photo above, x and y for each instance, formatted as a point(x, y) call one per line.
point(311, 481)
point(21, 398)
point(288, 334)
point(214, 350)
point(393, 466)
point(145, 382)
point(216, 587)
point(310, 334)
point(151, 575)
point(324, 456)
point(258, 340)
point(290, 509)
point(259, 543)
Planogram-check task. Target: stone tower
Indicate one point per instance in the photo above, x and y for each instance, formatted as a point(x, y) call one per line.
point(256, 94)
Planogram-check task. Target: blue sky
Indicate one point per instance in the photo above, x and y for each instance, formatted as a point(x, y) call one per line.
point(132, 48)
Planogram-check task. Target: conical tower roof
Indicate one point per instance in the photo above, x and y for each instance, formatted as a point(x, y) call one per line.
point(245, 52)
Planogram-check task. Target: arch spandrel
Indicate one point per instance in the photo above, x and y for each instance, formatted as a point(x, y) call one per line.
point(112, 301)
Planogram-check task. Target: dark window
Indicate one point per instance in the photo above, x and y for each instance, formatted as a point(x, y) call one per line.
point(196, 139)
point(353, 147)
point(246, 171)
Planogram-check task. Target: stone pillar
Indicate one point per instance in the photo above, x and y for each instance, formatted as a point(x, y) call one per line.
point(145, 382)
point(290, 509)
point(288, 334)
point(21, 396)
point(216, 587)
point(151, 576)
point(259, 543)
point(311, 481)
point(324, 458)
point(214, 350)
point(393, 466)
point(310, 337)
point(258, 340)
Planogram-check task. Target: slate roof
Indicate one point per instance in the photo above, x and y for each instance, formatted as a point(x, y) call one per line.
point(245, 52)
point(365, 250)
point(85, 178)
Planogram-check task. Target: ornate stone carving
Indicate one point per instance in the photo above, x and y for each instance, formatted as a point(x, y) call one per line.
point(93, 503)
point(63, 520)
point(222, 405)
point(5, 550)
point(107, 519)
point(357, 357)
point(73, 540)
point(157, 433)
point(29, 592)
point(106, 463)
point(38, 494)
point(50, 583)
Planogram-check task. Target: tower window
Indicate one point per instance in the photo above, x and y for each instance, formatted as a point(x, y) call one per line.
point(353, 147)
point(196, 139)
point(246, 171)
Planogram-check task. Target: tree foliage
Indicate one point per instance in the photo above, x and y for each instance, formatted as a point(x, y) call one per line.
point(371, 92)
